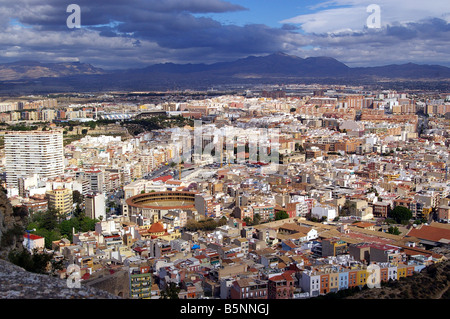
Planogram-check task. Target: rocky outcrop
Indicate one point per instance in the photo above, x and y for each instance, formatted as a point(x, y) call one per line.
point(17, 283)
point(12, 226)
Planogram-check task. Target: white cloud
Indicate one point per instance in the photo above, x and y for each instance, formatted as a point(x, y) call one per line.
point(334, 16)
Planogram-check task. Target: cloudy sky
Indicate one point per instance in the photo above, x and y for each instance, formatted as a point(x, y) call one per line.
point(117, 34)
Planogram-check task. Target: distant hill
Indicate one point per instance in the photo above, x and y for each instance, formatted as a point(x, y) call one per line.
point(274, 65)
point(28, 70)
point(283, 65)
point(405, 71)
point(274, 68)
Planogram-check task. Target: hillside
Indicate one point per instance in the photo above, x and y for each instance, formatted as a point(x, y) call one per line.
point(16, 283)
point(26, 76)
point(12, 225)
point(432, 283)
point(29, 70)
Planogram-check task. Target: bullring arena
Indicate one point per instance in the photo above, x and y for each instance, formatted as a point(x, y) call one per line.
point(160, 203)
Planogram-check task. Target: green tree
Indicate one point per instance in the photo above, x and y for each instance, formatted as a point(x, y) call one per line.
point(420, 221)
point(256, 219)
point(393, 230)
point(281, 215)
point(222, 221)
point(171, 291)
point(66, 228)
point(87, 224)
point(77, 197)
point(47, 220)
point(41, 263)
point(345, 209)
point(92, 125)
point(248, 221)
point(400, 214)
point(49, 236)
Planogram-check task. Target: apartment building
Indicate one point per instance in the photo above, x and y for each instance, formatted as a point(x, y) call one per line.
point(334, 247)
point(96, 180)
point(33, 152)
point(281, 286)
point(266, 212)
point(204, 204)
point(248, 288)
point(310, 282)
point(326, 279)
point(381, 209)
point(141, 280)
point(386, 253)
point(60, 199)
point(444, 213)
point(95, 206)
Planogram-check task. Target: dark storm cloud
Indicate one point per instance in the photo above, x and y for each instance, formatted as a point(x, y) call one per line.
point(120, 33)
point(52, 13)
point(175, 25)
point(289, 27)
point(432, 28)
point(170, 23)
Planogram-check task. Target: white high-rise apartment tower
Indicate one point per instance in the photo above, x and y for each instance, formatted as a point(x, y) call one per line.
point(33, 152)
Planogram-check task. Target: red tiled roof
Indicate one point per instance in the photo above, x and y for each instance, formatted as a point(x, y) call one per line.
point(363, 224)
point(201, 256)
point(163, 178)
point(290, 244)
point(156, 228)
point(429, 233)
point(287, 275)
point(32, 236)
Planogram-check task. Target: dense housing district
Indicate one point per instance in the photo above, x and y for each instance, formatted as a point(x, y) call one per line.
point(360, 181)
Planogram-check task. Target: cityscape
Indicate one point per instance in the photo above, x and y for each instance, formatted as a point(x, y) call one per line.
point(266, 176)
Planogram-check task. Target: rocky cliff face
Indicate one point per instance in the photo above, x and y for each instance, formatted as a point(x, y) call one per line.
point(16, 283)
point(12, 226)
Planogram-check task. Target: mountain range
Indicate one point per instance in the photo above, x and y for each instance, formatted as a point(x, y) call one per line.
point(273, 68)
point(28, 70)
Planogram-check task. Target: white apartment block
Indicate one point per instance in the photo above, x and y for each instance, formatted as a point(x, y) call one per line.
point(95, 206)
point(323, 211)
point(33, 152)
point(310, 282)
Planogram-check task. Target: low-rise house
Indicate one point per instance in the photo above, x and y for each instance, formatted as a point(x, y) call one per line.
point(444, 213)
point(248, 288)
point(281, 286)
point(32, 242)
point(307, 233)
